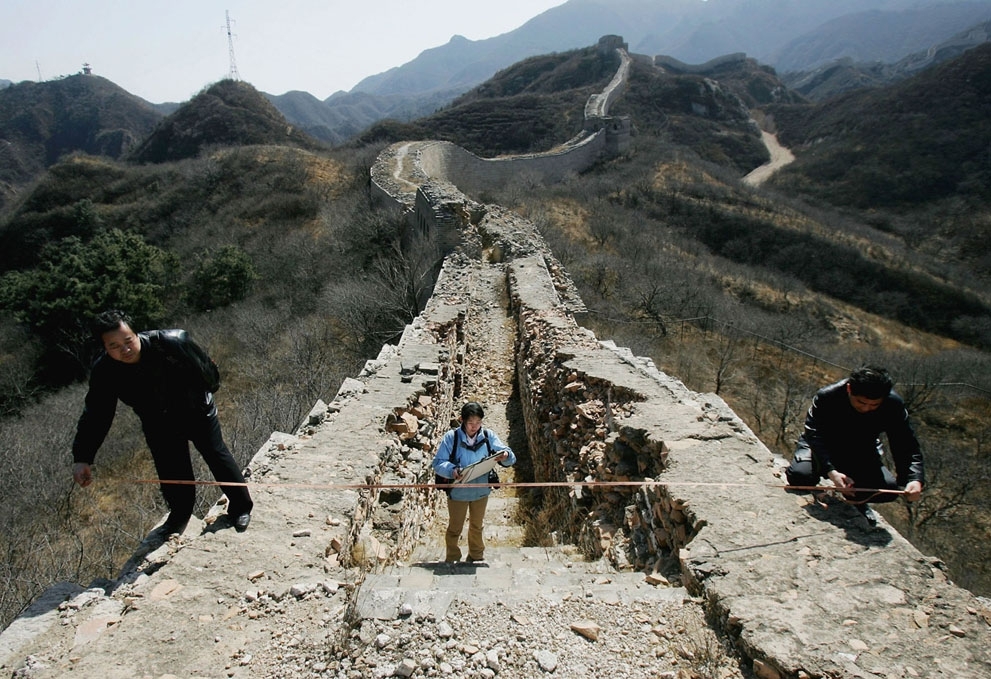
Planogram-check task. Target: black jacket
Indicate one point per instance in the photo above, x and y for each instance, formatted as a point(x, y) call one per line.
point(174, 379)
point(843, 439)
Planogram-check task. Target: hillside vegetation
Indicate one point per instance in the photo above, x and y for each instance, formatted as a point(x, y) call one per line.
point(270, 255)
point(267, 248)
point(40, 122)
point(916, 156)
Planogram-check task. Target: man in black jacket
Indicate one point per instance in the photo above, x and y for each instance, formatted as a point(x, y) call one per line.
point(841, 442)
point(168, 380)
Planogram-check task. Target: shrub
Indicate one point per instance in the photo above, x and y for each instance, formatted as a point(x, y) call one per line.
point(223, 278)
point(77, 280)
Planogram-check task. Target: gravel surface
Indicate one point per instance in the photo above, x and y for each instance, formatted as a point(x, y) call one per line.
point(521, 639)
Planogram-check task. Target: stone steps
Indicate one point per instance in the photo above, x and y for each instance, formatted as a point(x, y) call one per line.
point(430, 587)
point(427, 586)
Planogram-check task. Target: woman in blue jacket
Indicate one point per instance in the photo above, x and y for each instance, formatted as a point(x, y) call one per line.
point(459, 449)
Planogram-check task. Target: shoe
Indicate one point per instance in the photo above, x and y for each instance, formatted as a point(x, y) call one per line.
point(241, 522)
point(173, 525)
point(472, 559)
point(869, 516)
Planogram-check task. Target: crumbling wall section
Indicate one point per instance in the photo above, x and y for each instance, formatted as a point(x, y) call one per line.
point(579, 430)
point(386, 524)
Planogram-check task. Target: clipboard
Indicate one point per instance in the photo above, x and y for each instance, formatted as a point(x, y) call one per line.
point(480, 469)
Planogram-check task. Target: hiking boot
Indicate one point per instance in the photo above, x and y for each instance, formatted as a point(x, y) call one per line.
point(869, 516)
point(472, 559)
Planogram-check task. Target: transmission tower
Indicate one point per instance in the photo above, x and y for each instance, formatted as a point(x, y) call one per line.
point(232, 74)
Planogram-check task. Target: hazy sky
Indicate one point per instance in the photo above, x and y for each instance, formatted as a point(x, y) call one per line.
point(168, 51)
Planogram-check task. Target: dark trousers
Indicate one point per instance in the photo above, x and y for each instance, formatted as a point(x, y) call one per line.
point(169, 438)
point(867, 472)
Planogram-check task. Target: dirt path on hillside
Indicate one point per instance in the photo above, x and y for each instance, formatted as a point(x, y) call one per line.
point(780, 156)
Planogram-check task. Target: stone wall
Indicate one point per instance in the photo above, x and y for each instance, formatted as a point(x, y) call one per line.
point(667, 481)
point(403, 169)
point(802, 590)
point(450, 162)
point(659, 479)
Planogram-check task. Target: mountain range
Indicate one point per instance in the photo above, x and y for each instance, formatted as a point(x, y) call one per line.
point(821, 48)
point(789, 35)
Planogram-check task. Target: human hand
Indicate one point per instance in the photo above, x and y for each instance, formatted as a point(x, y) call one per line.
point(82, 474)
point(841, 481)
point(913, 491)
point(504, 455)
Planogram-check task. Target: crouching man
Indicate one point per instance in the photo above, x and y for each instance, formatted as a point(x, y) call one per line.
point(842, 442)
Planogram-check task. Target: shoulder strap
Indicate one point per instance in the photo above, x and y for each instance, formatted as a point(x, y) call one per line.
point(178, 345)
point(454, 449)
point(458, 441)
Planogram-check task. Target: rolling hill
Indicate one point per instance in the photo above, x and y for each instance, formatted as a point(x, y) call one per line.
point(41, 122)
point(915, 154)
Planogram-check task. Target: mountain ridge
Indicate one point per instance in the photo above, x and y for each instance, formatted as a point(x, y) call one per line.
point(775, 33)
point(678, 29)
point(846, 74)
point(229, 112)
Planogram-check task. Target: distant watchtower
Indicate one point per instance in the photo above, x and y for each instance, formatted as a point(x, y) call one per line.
point(87, 69)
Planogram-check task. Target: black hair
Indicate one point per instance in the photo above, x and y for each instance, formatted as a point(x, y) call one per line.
point(109, 321)
point(472, 409)
point(870, 381)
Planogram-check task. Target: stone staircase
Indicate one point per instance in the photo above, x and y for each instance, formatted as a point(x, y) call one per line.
point(426, 586)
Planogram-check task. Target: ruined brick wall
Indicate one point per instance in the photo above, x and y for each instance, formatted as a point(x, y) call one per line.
point(579, 428)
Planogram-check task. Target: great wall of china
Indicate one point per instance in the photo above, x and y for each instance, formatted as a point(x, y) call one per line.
point(800, 591)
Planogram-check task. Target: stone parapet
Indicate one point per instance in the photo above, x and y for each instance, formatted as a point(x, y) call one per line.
point(804, 590)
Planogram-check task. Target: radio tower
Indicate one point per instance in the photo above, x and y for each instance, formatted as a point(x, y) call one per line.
point(232, 74)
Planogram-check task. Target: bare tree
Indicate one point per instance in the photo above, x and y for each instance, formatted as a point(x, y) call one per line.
point(956, 480)
point(649, 298)
point(728, 346)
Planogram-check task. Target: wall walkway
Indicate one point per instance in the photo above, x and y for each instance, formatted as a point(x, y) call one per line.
point(801, 590)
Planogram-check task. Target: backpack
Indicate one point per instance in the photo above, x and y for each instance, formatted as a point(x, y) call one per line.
point(179, 347)
point(444, 481)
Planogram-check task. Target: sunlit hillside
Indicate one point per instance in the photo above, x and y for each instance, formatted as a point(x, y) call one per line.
point(268, 248)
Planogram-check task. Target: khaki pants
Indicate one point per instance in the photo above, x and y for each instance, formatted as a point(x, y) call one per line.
point(456, 512)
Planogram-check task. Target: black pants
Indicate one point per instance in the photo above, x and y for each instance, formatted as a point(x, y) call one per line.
point(168, 438)
point(867, 472)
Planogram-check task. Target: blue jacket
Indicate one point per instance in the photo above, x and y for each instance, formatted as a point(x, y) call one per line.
point(463, 455)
